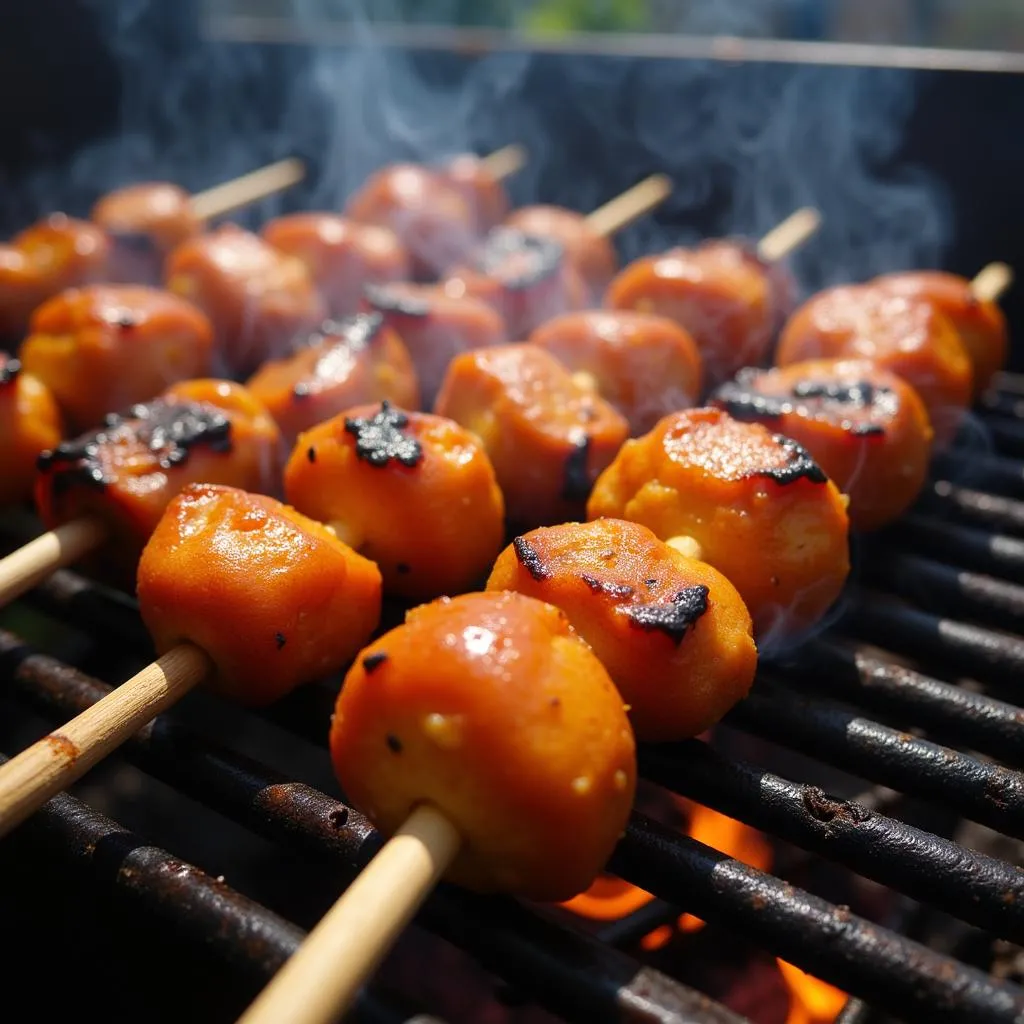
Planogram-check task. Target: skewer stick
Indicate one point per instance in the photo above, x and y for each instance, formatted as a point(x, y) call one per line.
point(65, 755)
point(317, 984)
point(992, 281)
point(249, 188)
point(630, 205)
point(504, 162)
point(21, 570)
point(789, 235)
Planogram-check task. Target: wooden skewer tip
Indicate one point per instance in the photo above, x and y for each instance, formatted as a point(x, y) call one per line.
point(505, 162)
point(630, 205)
point(787, 236)
point(249, 188)
point(992, 281)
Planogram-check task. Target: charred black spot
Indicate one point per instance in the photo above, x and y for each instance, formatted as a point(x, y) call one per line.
point(125, 319)
point(403, 569)
point(9, 370)
point(530, 560)
point(394, 300)
point(575, 475)
point(301, 390)
point(280, 640)
point(650, 583)
point(517, 259)
point(672, 619)
point(374, 661)
point(394, 743)
point(606, 586)
point(799, 464)
point(379, 439)
point(311, 453)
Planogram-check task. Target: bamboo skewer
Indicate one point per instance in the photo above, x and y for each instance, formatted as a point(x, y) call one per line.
point(505, 162)
point(249, 188)
point(21, 570)
point(992, 281)
point(630, 205)
point(789, 235)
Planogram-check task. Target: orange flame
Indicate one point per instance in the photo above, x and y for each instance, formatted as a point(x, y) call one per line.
point(812, 1001)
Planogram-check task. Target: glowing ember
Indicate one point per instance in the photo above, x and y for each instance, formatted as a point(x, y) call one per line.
point(811, 1001)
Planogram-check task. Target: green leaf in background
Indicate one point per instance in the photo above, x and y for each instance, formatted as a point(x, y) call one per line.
point(552, 17)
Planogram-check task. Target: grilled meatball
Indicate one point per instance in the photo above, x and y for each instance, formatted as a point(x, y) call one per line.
point(273, 598)
point(645, 365)
point(57, 253)
point(428, 212)
point(484, 193)
point(526, 278)
point(980, 323)
point(591, 254)
point(751, 503)
point(435, 327)
point(722, 295)
point(414, 492)
point(673, 633)
point(342, 256)
point(126, 473)
point(490, 708)
point(104, 347)
point(867, 428)
point(902, 334)
point(30, 423)
point(347, 362)
point(144, 222)
point(547, 436)
point(257, 298)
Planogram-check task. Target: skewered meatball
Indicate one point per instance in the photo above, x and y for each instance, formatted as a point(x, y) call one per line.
point(980, 323)
point(347, 362)
point(106, 347)
point(526, 278)
point(673, 633)
point(435, 327)
point(751, 503)
point(867, 428)
point(592, 254)
point(145, 221)
point(429, 213)
point(55, 254)
point(484, 193)
point(298, 602)
point(342, 255)
point(126, 473)
point(645, 365)
point(30, 423)
point(257, 298)
point(490, 708)
point(414, 492)
point(724, 297)
point(907, 336)
point(547, 436)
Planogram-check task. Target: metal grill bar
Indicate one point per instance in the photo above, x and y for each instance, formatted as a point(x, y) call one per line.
point(1005, 434)
point(1003, 404)
point(981, 890)
point(994, 554)
point(833, 944)
point(569, 973)
point(996, 512)
point(986, 472)
point(989, 794)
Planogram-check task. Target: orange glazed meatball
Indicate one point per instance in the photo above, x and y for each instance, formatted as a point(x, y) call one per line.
point(358, 359)
point(645, 365)
point(592, 254)
point(30, 423)
point(749, 502)
point(673, 633)
point(435, 327)
point(428, 212)
point(526, 278)
point(980, 323)
point(145, 221)
point(55, 254)
point(866, 428)
point(257, 298)
point(484, 193)
point(104, 347)
point(126, 473)
point(726, 299)
point(547, 436)
point(905, 335)
point(414, 492)
point(490, 708)
point(342, 255)
point(273, 598)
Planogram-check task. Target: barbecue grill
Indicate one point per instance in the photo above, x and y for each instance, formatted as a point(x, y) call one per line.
point(889, 748)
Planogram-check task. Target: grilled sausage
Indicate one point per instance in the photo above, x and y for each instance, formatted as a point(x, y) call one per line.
point(30, 423)
point(484, 193)
point(342, 256)
point(547, 436)
point(749, 502)
point(297, 602)
point(345, 363)
point(902, 334)
point(490, 708)
point(414, 492)
point(105, 347)
point(867, 428)
point(645, 365)
point(257, 298)
point(673, 633)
